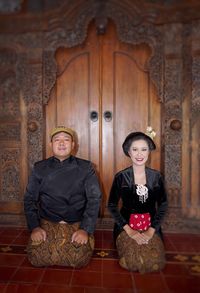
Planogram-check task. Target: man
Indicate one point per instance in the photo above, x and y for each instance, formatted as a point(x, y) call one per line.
point(61, 205)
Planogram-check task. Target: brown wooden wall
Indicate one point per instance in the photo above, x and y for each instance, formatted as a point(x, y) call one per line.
point(161, 54)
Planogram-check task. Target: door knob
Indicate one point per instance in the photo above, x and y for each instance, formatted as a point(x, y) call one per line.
point(107, 116)
point(94, 116)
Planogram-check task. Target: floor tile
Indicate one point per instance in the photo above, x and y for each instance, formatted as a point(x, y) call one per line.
point(44, 288)
point(99, 243)
point(25, 233)
point(28, 275)
point(6, 273)
point(169, 246)
point(11, 259)
point(105, 253)
point(178, 284)
point(90, 279)
point(26, 263)
point(150, 282)
point(108, 241)
point(107, 235)
point(7, 240)
point(61, 277)
point(21, 288)
point(108, 290)
point(196, 247)
point(2, 229)
point(2, 287)
point(113, 266)
point(95, 265)
point(116, 280)
point(108, 244)
point(12, 288)
point(62, 268)
point(98, 234)
point(20, 240)
point(184, 247)
point(175, 269)
point(194, 270)
point(11, 231)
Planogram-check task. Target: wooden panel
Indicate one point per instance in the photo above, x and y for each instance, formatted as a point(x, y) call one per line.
point(131, 102)
point(73, 101)
point(75, 95)
point(12, 207)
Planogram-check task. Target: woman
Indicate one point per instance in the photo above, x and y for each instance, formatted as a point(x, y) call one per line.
point(140, 189)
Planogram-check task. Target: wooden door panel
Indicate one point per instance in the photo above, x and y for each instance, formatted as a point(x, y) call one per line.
point(76, 94)
point(131, 102)
point(73, 102)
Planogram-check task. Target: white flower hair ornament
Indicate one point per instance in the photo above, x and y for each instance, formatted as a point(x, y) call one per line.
point(150, 132)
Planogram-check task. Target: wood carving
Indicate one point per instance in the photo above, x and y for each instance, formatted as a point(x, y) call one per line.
point(10, 180)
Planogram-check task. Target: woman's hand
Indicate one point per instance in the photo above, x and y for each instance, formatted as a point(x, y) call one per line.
point(38, 235)
point(149, 233)
point(134, 234)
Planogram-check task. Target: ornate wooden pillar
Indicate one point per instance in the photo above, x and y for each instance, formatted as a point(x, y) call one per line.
point(191, 122)
point(172, 126)
point(30, 82)
point(194, 201)
point(10, 145)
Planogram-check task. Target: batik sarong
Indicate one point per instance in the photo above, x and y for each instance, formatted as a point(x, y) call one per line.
point(143, 258)
point(58, 249)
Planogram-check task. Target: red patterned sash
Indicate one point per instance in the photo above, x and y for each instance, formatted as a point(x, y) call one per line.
point(140, 221)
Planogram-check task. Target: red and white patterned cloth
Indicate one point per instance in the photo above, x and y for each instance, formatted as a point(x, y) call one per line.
point(140, 221)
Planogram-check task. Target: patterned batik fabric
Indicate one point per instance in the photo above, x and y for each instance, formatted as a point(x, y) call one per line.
point(143, 258)
point(58, 248)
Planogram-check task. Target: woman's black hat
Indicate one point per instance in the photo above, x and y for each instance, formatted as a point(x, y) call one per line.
point(137, 136)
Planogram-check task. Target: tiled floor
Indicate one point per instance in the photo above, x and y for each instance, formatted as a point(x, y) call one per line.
point(103, 274)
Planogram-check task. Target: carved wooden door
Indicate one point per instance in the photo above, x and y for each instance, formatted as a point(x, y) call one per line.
point(103, 91)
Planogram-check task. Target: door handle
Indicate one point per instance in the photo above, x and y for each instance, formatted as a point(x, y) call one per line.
point(107, 116)
point(94, 116)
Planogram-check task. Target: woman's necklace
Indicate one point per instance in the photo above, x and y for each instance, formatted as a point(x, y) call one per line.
point(142, 191)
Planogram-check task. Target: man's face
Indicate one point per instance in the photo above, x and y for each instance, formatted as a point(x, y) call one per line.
point(62, 145)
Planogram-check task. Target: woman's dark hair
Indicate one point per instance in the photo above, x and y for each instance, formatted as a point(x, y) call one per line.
point(133, 136)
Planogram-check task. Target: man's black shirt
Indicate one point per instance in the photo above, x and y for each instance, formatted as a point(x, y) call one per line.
point(63, 191)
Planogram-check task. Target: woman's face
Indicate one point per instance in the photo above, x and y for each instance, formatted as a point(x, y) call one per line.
point(139, 152)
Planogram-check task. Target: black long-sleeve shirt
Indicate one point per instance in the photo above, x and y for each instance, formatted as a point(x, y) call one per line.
point(124, 188)
point(63, 191)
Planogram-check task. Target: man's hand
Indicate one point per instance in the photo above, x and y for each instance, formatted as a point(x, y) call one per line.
point(80, 236)
point(38, 235)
